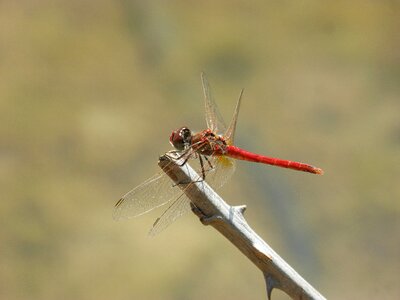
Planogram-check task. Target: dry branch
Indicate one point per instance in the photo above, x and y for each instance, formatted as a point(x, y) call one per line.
point(229, 221)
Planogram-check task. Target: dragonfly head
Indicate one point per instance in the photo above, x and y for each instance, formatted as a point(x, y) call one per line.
point(181, 139)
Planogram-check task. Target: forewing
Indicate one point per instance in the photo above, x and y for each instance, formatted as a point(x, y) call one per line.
point(213, 117)
point(152, 193)
point(230, 132)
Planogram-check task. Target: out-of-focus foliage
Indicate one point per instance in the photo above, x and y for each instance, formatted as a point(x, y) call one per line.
point(90, 90)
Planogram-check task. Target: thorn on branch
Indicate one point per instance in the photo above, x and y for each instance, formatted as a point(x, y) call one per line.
point(271, 283)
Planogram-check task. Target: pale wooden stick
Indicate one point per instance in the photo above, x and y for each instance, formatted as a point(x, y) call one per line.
point(229, 221)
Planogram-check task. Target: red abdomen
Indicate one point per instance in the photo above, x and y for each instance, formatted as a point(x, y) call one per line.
point(237, 153)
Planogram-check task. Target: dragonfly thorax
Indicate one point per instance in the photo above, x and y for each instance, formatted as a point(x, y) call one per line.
point(181, 138)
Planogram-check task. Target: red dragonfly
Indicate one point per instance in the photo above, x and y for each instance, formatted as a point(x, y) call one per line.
point(215, 155)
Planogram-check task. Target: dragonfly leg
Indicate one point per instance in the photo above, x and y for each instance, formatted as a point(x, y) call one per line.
point(203, 170)
point(203, 173)
point(194, 150)
point(189, 152)
point(201, 179)
point(181, 154)
point(209, 163)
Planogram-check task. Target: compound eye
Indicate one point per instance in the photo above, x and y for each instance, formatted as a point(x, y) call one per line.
point(181, 139)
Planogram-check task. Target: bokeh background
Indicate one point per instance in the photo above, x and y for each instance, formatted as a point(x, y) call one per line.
point(90, 91)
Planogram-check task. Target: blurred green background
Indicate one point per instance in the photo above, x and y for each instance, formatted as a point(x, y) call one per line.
point(90, 91)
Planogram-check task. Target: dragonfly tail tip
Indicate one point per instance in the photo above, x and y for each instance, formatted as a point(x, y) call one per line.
point(319, 171)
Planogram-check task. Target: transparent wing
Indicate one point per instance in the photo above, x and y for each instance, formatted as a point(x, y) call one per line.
point(177, 209)
point(213, 117)
point(218, 171)
point(230, 132)
point(222, 169)
point(152, 193)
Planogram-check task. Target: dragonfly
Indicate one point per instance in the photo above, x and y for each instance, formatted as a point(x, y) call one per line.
point(212, 151)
